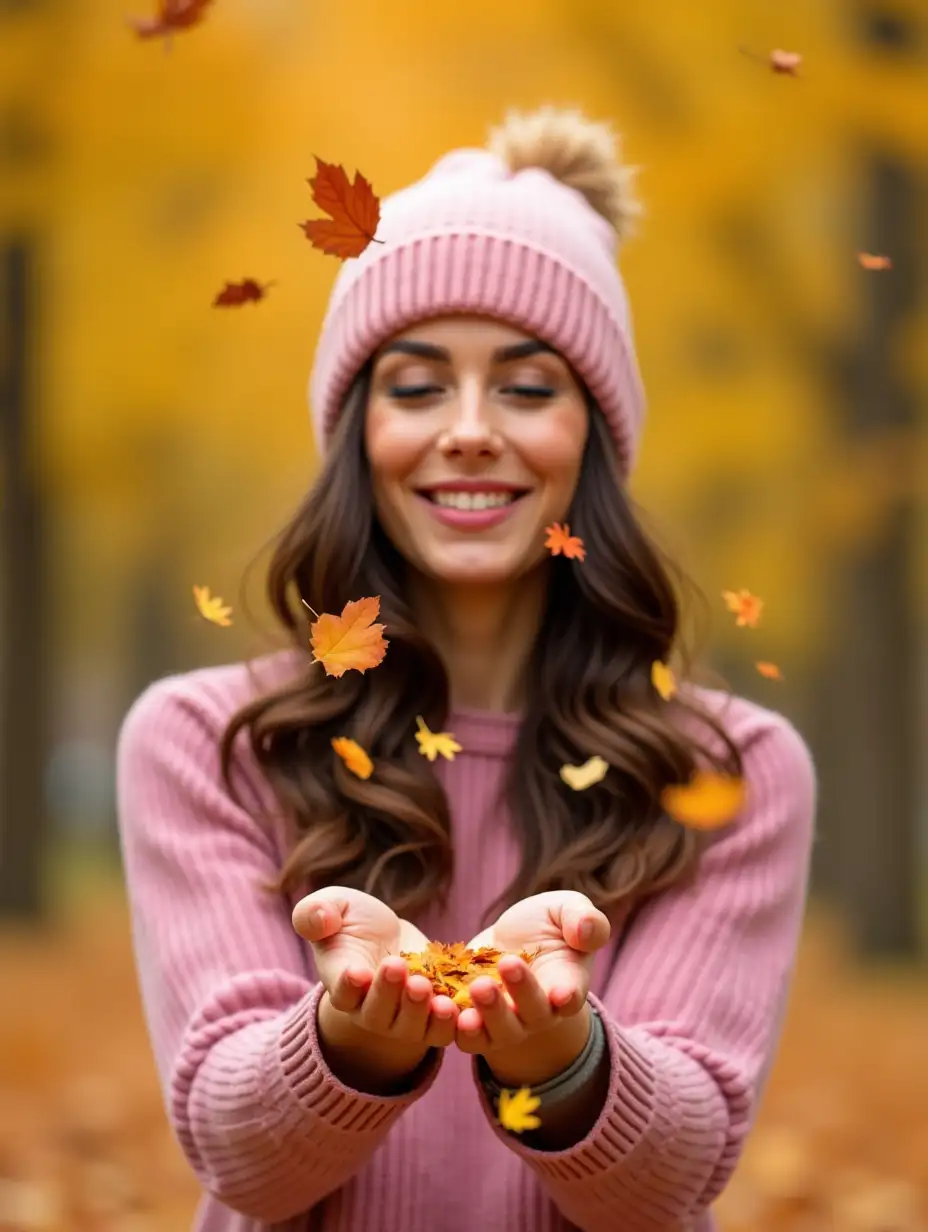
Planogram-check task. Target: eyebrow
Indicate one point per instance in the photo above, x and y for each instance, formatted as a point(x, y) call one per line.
point(427, 350)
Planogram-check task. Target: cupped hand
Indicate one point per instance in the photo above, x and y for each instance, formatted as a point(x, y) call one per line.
point(356, 942)
point(566, 930)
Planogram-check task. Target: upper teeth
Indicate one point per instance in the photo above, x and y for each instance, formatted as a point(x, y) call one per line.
point(473, 500)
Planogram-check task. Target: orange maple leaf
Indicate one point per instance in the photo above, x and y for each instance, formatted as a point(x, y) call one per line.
point(172, 15)
point(354, 210)
point(349, 641)
point(234, 294)
point(452, 966)
point(769, 670)
point(874, 261)
point(354, 757)
point(747, 607)
point(707, 802)
point(561, 541)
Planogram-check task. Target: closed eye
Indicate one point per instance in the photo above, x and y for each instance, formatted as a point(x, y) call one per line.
point(405, 392)
point(530, 391)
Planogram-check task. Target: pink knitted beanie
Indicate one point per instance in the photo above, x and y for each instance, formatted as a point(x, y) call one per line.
point(475, 237)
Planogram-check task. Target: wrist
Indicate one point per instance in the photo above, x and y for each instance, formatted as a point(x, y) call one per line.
point(543, 1056)
point(364, 1061)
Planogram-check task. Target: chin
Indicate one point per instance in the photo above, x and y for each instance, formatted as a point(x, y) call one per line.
point(476, 569)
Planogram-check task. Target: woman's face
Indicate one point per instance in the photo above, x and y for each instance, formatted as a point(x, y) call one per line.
point(475, 434)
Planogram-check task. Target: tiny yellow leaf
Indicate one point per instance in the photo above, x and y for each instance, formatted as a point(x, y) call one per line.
point(353, 756)
point(516, 1109)
point(432, 743)
point(580, 777)
point(663, 680)
point(211, 607)
point(707, 802)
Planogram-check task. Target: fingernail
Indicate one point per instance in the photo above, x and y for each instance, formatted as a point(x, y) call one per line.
point(486, 996)
point(514, 975)
point(358, 978)
point(418, 994)
point(586, 930)
point(394, 975)
point(315, 917)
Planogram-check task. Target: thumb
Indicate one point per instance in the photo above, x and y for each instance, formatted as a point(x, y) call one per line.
point(317, 917)
point(583, 926)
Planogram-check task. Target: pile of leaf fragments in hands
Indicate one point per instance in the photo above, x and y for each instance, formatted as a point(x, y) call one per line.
point(453, 967)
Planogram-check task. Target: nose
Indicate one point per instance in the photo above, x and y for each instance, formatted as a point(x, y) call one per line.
point(470, 431)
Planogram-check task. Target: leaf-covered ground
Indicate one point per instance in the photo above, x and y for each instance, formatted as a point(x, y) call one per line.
point(841, 1145)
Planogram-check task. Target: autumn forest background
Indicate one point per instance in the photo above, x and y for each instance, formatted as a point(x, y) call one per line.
point(150, 441)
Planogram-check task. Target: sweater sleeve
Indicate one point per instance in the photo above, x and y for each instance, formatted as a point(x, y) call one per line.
point(693, 1010)
point(227, 985)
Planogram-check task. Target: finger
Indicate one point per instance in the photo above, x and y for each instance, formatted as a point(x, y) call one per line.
point(350, 989)
point(316, 918)
point(500, 1024)
point(382, 1003)
point(442, 1024)
point(566, 1000)
point(470, 1036)
point(584, 927)
point(530, 1002)
point(412, 1017)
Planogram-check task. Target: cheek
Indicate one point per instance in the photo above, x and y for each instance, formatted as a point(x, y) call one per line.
point(392, 442)
point(554, 451)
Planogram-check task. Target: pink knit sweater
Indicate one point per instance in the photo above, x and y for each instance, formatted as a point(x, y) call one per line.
point(692, 991)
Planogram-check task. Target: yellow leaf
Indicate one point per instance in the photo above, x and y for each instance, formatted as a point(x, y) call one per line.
point(432, 743)
point(769, 670)
point(341, 643)
point(516, 1109)
point(353, 756)
point(211, 607)
point(663, 680)
point(707, 802)
point(581, 777)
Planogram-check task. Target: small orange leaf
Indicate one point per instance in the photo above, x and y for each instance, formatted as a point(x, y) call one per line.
point(353, 756)
point(786, 62)
point(663, 680)
point(560, 540)
point(747, 607)
point(349, 641)
point(234, 294)
point(707, 802)
point(874, 261)
point(354, 210)
point(515, 1110)
point(172, 15)
point(211, 607)
point(769, 670)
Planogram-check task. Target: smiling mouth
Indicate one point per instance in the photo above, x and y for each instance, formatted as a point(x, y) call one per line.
point(474, 500)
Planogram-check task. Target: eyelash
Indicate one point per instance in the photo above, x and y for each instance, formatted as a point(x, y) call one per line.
point(535, 393)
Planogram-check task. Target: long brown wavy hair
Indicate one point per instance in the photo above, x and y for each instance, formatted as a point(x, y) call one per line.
point(589, 692)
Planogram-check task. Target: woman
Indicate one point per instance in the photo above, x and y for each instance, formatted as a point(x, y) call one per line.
point(475, 382)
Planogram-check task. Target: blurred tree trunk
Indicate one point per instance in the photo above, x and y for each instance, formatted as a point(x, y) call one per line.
point(23, 714)
point(868, 705)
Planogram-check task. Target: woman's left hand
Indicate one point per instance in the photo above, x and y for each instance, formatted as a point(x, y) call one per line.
point(566, 930)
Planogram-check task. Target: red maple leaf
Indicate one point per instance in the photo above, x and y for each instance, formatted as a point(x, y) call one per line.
point(354, 211)
point(234, 294)
point(172, 15)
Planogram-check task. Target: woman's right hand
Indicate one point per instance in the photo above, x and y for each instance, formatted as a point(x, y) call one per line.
point(356, 941)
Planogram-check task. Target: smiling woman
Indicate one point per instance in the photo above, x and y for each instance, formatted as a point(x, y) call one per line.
point(475, 382)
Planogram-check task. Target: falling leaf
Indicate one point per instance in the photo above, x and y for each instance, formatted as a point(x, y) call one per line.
point(350, 641)
point(786, 62)
point(874, 261)
point(581, 777)
point(211, 607)
point(747, 607)
point(561, 541)
point(515, 1110)
point(172, 15)
point(354, 210)
point(769, 670)
point(353, 756)
point(453, 966)
point(234, 294)
point(432, 743)
point(707, 802)
point(663, 680)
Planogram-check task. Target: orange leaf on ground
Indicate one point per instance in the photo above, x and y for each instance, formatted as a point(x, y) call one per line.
point(354, 210)
point(172, 15)
point(663, 680)
point(874, 261)
point(353, 756)
point(349, 641)
point(211, 607)
point(234, 294)
point(707, 802)
point(561, 541)
point(769, 670)
point(746, 607)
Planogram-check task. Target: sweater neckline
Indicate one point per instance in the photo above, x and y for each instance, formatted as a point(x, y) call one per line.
point(491, 733)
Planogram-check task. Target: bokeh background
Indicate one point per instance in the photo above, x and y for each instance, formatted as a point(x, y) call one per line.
point(151, 441)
